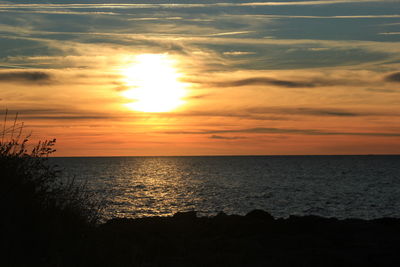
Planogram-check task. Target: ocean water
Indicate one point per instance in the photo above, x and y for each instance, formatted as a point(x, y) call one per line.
point(331, 186)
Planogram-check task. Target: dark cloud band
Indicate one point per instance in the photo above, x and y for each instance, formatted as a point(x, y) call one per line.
point(313, 112)
point(262, 130)
point(394, 77)
point(220, 137)
point(263, 81)
point(25, 76)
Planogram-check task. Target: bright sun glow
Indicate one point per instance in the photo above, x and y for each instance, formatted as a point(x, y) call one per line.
point(154, 83)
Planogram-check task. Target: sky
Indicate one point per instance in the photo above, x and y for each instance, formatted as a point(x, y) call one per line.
point(204, 77)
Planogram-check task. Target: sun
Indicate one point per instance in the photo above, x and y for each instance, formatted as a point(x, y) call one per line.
point(154, 84)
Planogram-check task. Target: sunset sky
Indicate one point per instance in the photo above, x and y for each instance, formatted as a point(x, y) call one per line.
point(193, 77)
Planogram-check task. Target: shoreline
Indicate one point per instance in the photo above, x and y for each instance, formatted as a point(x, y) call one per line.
point(255, 239)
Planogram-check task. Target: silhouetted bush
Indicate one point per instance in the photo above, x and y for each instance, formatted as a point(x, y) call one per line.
point(42, 211)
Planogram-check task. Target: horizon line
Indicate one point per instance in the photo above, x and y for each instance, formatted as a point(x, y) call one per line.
point(246, 155)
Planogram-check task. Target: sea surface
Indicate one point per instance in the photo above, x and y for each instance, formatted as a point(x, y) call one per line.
point(331, 186)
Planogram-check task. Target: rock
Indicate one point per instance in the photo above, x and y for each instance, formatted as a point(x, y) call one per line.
point(259, 214)
point(220, 216)
point(187, 215)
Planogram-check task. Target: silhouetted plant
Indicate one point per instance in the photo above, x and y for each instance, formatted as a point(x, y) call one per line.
point(44, 214)
point(34, 186)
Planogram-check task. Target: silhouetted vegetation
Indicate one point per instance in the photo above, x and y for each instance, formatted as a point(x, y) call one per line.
point(42, 210)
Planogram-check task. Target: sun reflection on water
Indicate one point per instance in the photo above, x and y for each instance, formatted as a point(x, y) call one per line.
point(154, 187)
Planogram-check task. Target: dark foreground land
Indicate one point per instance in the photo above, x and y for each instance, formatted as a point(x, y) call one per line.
point(256, 239)
point(47, 220)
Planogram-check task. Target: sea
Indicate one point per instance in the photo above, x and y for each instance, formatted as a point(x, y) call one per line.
point(364, 187)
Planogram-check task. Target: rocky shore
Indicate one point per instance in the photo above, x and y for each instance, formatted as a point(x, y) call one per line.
point(256, 239)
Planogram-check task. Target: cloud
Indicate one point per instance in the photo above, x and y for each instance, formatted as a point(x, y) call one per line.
point(390, 33)
point(284, 113)
point(63, 112)
point(375, 90)
point(224, 113)
point(263, 81)
point(25, 77)
point(175, 4)
point(312, 82)
point(230, 33)
point(320, 17)
point(262, 130)
point(57, 12)
point(202, 96)
point(394, 77)
point(238, 53)
point(312, 111)
point(220, 137)
point(70, 112)
point(305, 80)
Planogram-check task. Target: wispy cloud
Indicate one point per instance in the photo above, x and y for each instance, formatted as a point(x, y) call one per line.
point(262, 130)
point(309, 82)
point(316, 112)
point(220, 137)
point(38, 77)
point(262, 81)
point(390, 33)
point(181, 5)
point(154, 18)
point(394, 77)
point(57, 12)
point(230, 33)
point(272, 16)
point(377, 90)
point(287, 113)
point(238, 53)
